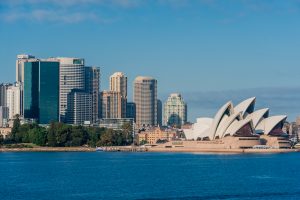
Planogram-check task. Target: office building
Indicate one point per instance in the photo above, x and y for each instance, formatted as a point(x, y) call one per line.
point(13, 100)
point(21, 59)
point(111, 104)
point(175, 111)
point(72, 76)
point(159, 112)
point(79, 109)
point(118, 83)
point(92, 86)
point(3, 92)
point(145, 99)
point(130, 110)
point(3, 116)
point(41, 91)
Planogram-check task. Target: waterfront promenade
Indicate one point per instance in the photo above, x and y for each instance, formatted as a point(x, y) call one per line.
point(146, 149)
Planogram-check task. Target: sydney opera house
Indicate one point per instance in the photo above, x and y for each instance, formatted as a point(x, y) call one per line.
point(237, 127)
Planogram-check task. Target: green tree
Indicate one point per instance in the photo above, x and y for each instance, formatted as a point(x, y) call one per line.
point(15, 129)
point(63, 132)
point(51, 135)
point(1, 140)
point(79, 136)
point(107, 138)
point(24, 132)
point(127, 129)
point(38, 136)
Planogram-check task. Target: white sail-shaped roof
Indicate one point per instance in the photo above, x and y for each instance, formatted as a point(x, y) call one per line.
point(244, 106)
point(229, 120)
point(225, 111)
point(258, 116)
point(268, 124)
point(237, 125)
point(226, 123)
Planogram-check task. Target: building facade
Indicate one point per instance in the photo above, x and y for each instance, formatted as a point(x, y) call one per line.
point(118, 83)
point(115, 124)
point(159, 113)
point(21, 59)
point(145, 99)
point(131, 110)
point(92, 86)
point(13, 100)
point(79, 109)
point(111, 104)
point(3, 93)
point(41, 91)
point(175, 111)
point(72, 76)
point(3, 116)
point(152, 136)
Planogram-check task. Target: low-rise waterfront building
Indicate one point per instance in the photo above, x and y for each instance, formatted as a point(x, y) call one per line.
point(5, 132)
point(153, 135)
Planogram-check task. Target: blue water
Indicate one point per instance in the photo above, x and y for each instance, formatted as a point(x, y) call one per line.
point(101, 175)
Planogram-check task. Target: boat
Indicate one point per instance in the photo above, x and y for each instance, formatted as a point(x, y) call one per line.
point(99, 148)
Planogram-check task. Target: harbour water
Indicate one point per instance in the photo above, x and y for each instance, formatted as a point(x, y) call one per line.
point(102, 175)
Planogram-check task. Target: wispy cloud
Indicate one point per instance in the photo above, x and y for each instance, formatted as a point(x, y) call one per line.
point(41, 15)
point(61, 11)
point(72, 11)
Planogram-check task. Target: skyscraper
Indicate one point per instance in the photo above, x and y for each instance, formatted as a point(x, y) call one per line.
point(92, 86)
point(21, 59)
point(3, 115)
point(159, 112)
point(72, 76)
point(131, 110)
point(13, 100)
point(3, 93)
point(118, 83)
point(41, 91)
point(175, 111)
point(79, 108)
point(145, 99)
point(111, 107)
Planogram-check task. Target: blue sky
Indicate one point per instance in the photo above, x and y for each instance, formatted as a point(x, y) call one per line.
point(209, 50)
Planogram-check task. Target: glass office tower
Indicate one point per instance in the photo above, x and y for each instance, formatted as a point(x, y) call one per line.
point(41, 91)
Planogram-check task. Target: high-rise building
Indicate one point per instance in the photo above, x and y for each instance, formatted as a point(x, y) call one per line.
point(111, 107)
point(118, 83)
point(131, 110)
point(92, 86)
point(13, 100)
point(145, 99)
point(175, 111)
point(3, 115)
point(41, 91)
point(21, 59)
point(159, 112)
point(72, 76)
point(3, 92)
point(79, 109)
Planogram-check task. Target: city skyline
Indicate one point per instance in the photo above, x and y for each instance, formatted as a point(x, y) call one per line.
point(210, 46)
